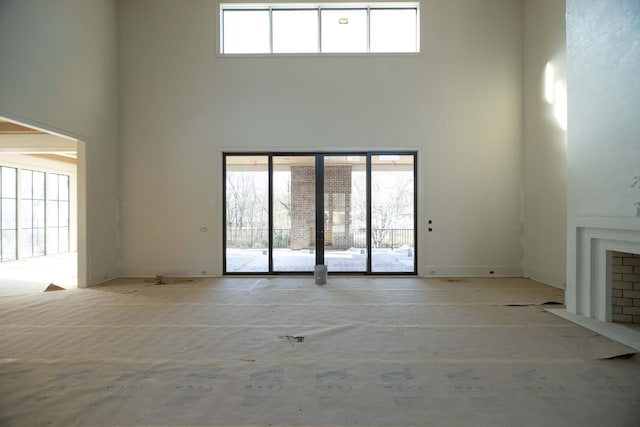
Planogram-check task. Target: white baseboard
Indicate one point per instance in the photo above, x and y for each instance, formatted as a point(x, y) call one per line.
point(475, 271)
point(171, 271)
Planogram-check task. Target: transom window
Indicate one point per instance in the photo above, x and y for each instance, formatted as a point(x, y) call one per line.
point(299, 28)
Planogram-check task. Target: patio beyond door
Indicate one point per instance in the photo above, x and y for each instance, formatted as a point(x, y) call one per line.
point(286, 213)
point(344, 218)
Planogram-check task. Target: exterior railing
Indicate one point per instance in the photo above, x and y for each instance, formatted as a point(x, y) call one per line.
point(259, 238)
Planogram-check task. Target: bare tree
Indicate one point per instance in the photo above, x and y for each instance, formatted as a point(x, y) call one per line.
point(246, 208)
point(391, 206)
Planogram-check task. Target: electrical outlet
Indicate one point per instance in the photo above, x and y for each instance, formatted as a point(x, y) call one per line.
point(204, 229)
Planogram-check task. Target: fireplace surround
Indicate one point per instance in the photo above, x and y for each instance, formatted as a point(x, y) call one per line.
point(591, 243)
point(588, 295)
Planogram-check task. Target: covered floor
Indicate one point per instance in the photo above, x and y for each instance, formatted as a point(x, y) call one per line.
point(283, 351)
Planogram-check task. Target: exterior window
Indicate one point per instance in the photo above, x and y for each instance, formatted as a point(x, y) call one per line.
point(299, 28)
point(394, 30)
point(246, 31)
point(344, 30)
point(295, 31)
point(58, 214)
point(32, 213)
point(8, 213)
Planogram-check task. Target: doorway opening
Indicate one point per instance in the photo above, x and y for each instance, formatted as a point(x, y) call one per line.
point(38, 208)
point(287, 212)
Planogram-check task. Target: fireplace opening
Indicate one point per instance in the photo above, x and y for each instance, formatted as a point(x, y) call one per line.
point(625, 287)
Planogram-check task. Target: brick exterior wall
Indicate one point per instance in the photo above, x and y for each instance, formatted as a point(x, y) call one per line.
point(625, 281)
point(303, 206)
point(337, 186)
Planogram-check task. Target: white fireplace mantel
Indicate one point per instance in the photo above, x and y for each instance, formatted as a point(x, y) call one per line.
point(590, 242)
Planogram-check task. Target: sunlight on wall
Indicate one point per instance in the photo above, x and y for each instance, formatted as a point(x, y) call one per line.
point(560, 104)
point(549, 78)
point(555, 93)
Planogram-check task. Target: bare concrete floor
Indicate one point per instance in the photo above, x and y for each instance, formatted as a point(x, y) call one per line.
point(282, 351)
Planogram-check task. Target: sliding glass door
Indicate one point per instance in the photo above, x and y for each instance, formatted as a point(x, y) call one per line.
point(247, 214)
point(393, 212)
point(286, 213)
point(293, 236)
point(345, 213)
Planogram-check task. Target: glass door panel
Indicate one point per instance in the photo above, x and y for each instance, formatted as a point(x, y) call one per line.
point(345, 213)
point(246, 213)
point(294, 213)
point(287, 212)
point(392, 213)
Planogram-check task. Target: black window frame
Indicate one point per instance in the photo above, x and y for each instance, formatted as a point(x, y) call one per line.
point(319, 171)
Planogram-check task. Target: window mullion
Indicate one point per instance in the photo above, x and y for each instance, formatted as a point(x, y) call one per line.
point(271, 30)
point(319, 30)
point(222, 31)
point(270, 213)
point(368, 29)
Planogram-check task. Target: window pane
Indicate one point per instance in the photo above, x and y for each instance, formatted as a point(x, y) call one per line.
point(8, 182)
point(247, 221)
point(63, 216)
point(64, 239)
point(8, 245)
point(38, 242)
point(53, 186)
point(295, 31)
point(344, 30)
point(38, 185)
point(38, 213)
point(294, 213)
point(26, 187)
point(392, 213)
point(64, 187)
point(26, 242)
point(8, 214)
point(52, 214)
point(52, 240)
point(245, 31)
point(26, 213)
point(393, 30)
point(344, 245)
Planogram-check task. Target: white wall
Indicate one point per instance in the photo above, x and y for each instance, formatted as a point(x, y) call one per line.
point(458, 103)
point(545, 148)
point(603, 57)
point(603, 60)
point(58, 72)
